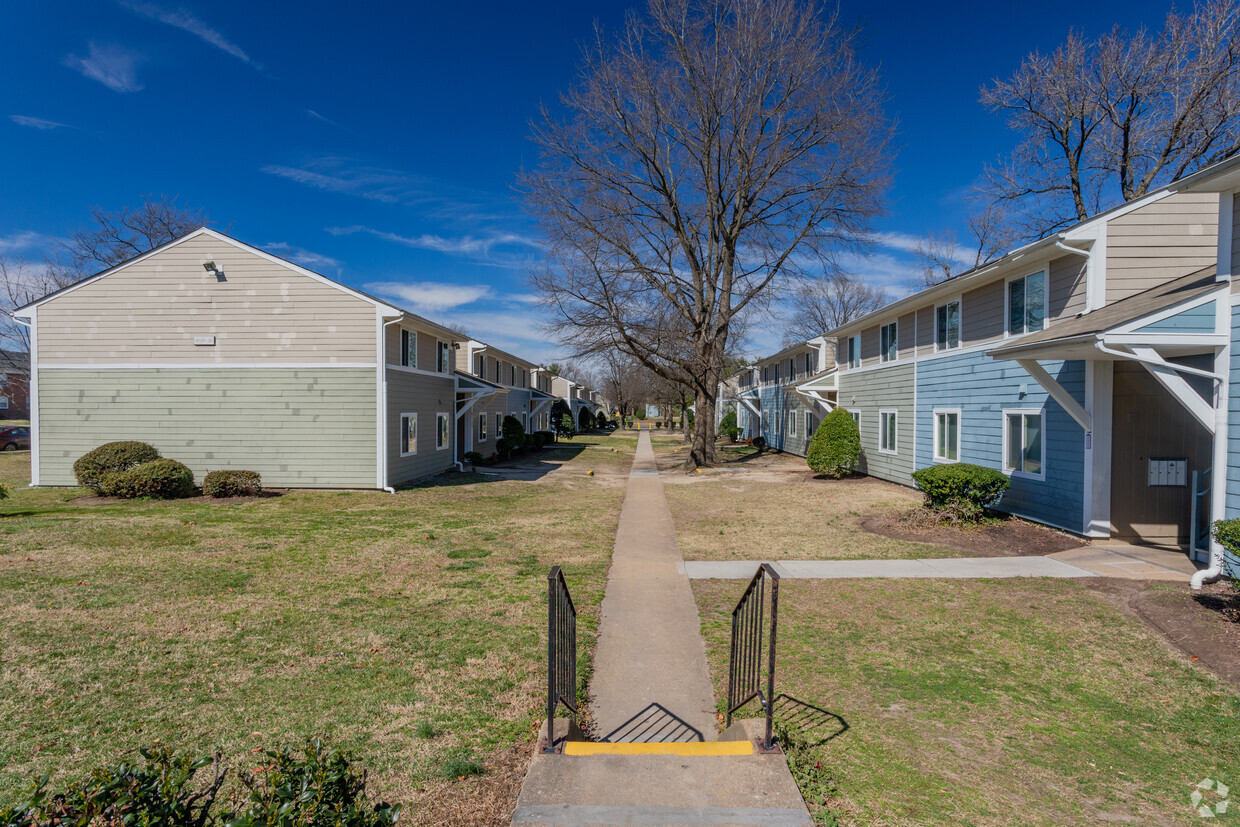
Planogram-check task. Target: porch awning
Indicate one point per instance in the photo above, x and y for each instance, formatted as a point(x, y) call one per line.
point(466, 383)
point(819, 385)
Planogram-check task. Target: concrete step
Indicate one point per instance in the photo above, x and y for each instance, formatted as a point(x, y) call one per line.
point(691, 749)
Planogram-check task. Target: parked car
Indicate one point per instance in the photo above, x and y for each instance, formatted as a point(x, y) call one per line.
point(14, 437)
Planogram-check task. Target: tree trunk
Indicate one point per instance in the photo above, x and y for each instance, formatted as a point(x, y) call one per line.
point(703, 450)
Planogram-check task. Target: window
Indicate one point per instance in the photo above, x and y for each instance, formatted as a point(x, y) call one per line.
point(809, 364)
point(525, 421)
point(408, 349)
point(498, 364)
point(792, 423)
point(854, 351)
point(4, 403)
point(1026, 298)
point(441, 431)
point(887, 432)
point(810, 424)
point(776, 369)
point(408, 434)
point(856, 419)
point(947, 325)
point(512, 370)
point(1024, 449)
point(482, 427)
point(480, 366)
point(947, 436)
point(888, 346)
point(442, 367)
point(499, 425)
point(4, 380)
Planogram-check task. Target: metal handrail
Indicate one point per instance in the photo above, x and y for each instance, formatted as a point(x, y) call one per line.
point(745, 659)
point(561, 651)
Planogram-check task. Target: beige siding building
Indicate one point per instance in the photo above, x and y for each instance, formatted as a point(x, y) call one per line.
point(224, 356)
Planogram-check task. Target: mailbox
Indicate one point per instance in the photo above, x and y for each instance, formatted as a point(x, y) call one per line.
point(1168, 472)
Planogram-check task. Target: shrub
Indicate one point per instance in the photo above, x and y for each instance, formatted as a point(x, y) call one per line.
point(502, 448)
point(548, 437)
point(111, 458)
point(836, 445)
point(961, 491)
point(601, 420)
point(758, 442)
point(232, 483)
point(728, 426)
point(473, 457)
point(659, 424)
point(585, 420)
point(162, 479)
point(1227, 532)
point(561, 418)
point(512, 430)
point(317, 786)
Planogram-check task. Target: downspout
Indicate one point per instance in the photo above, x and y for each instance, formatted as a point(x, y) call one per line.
point(384, 412)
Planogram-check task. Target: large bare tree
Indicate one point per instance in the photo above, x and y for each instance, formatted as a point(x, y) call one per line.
point(819, 305)
point(623, 380)
point(1109, 119)
point(711, 149)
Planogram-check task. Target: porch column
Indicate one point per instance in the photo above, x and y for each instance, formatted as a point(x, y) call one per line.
point(1099, 378)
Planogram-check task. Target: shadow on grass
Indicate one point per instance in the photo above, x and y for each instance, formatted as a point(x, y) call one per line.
point(524, 467)
point(816, 725)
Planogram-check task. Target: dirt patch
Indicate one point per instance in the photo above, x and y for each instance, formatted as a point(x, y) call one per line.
point(1008, 537)
point(486, 801)
point(1203, 625)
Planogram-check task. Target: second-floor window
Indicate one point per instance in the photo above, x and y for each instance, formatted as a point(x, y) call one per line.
point(888, 348)
point(1026, 301)
point(480, 366)
point(809, 364)
point(408, 349)
point(444, 349)
point(854, 351)
point(947, 325)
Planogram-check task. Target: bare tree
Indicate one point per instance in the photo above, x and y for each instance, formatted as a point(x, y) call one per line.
point(942, 256)
point(623, 380)
point(823, 304)
point(1109, 119)
point(708, 151)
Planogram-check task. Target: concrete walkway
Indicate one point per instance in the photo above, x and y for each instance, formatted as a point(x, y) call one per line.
point(650, 681)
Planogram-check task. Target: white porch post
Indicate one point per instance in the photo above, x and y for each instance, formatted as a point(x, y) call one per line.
point(1099, 378)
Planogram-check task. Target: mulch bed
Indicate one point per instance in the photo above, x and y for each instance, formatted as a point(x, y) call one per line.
point(1204, 625)
point(1004, 537)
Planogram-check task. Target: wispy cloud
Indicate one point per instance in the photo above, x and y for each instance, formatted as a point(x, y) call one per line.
point(430, 296)
point(906, 243)
point(521, 333)
point(306, 258)
point(36, 123)
point(25, 240)
point(460, 245)
point(114, 66)
point(187, 22)
point(324, 119)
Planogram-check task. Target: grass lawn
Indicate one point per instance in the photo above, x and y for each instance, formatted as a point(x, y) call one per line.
point(987, 703)
point(724, 516)
point(366, 617)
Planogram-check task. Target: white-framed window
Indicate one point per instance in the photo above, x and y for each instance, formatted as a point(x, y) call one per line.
point(779, 422)
point(4, 403)
point(1026, 304)
point(408, 434)
point(809, 364)
point(792, 423)
point(408, 348)
point(525, 421)
point(1024, 442)
point(854, 351)
point(946, 434)
point(856, 415)
point(775, 368)
point(444, 363)
point(480, 366)
point(442, 436)
point(888, 342)
point(947, 325)
point(887, 432)
point(482, 427)
point(499, 425)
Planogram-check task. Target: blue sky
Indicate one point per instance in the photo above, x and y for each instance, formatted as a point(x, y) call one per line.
point(377, 143)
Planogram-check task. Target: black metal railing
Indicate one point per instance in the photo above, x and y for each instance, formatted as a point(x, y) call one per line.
point(745, 664)
point(561, 651)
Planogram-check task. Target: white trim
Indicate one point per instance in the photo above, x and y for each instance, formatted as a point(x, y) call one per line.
point(482, 427)
point(934, 435)
point(958, 299)
point(848, 365)
point(413, 416)
point(882, 431)
point(1099, 401)
point(1169, 311)
point(381, 453)
point(1096, 272)
point(1171, 379)
point(447, 442)
point(894, 323)
point(1007, 296)
point(1003, 460)
point(32, 391)
point(207, 365)
point(1057, 392)
point(420, 372)
point(1221, 446)
point(1226, 205)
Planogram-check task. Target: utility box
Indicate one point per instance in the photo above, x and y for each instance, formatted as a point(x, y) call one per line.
point(1168, 472)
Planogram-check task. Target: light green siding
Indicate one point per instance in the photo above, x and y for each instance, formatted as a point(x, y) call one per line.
point(298, 427)
point(870, 391)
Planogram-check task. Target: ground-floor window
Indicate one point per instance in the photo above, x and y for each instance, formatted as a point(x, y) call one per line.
point(810, 425)
point(947, 435)
point(408, 434)
point(887, 432)
point(856, 415)
point(792, 423)
point(441, 431)
point(1024, 449)
point(499, 425)
point(482, 427)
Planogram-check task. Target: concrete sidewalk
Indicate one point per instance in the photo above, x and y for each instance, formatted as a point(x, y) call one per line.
point(650, 680)
point(947, 567)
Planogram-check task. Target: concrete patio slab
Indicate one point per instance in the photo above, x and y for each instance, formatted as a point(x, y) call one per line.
point(1130, 562)
point(946, 567)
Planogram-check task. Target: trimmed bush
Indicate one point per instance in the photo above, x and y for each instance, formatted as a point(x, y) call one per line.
point(547, 437)
point(585, 421)
point(162, 479)
point(836, 445)
point(111, 458)
point(728, 426)
point(561, 418)
point(232, 483)
point(502, 448)
point(601, 420)
point(512, 430)
point(473, 457)
point(960, 490)
point(758, 442)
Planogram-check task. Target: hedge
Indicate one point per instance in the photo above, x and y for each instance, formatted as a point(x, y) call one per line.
point(836, 446)
point(111, 458)
point(232, 483)
point(960, 490)
point(162, 479)
point(728, 426)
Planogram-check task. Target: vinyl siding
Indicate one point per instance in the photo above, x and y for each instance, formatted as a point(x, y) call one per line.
point(1161, 241)
point(150, 312)
point(981, 314)
point(1235, 235)
point(427, 343)
point(426, 396)
point(906, 335)
point(1233, 426)
point(312, 427)
point(925, 331)
point(868, 392)
point(786, 401)
point(870, 341)
point(1199, 319)
point(1066, 292)
point(982, 388)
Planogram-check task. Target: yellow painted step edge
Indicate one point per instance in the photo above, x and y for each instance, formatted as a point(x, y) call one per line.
point(687, 750)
